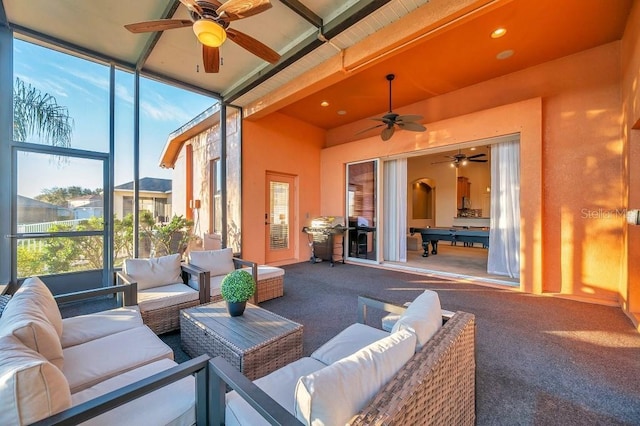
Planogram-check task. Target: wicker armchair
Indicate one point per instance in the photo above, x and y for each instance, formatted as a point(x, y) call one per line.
point(218, 263)
point(436, 386)
point(165, 287)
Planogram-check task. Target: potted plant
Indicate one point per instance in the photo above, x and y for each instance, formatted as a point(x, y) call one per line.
point(236, 288)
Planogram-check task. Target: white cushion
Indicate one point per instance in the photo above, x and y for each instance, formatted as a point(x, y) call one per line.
point(279, 385)
point(83, 328)
point(266, 272)
point(31, 388)
point(334, 394)
point(166, 295)
point(173, 404)
point(215, 285)
point(97, 360)
point(423, 317)
point(25, 320)
point(217, 262)
point(154, 272)
point(34, 289)
point(347, 342)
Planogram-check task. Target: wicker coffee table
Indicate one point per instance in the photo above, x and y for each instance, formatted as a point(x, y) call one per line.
point(256, 343)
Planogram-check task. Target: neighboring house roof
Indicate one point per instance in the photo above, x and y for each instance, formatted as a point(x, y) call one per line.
point(87, 197)
point(148, 184)
point(91, 204)
point(93, 200)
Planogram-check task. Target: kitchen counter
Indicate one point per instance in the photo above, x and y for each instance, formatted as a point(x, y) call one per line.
point(475, 222)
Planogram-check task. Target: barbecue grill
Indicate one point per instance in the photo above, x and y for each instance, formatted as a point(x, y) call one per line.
point(321, 238)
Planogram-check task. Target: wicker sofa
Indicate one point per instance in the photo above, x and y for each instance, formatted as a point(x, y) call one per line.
point(435, 385)
point(77, 369)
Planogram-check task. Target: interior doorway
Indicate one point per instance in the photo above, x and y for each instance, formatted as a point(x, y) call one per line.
point(279, 218)
point(462, 200)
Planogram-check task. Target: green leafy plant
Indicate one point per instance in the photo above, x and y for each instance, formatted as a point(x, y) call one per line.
point(238, 286)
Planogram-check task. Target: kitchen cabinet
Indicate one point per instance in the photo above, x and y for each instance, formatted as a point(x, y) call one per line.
point(464, 193)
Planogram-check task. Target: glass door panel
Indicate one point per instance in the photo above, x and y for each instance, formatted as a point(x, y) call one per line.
point(59, 224)
point(279, 217)
point(361, 209)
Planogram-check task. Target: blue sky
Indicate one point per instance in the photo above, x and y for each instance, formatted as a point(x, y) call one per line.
point(83, 87)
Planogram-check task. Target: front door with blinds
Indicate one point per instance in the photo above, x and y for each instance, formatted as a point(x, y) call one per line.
point(279, 217)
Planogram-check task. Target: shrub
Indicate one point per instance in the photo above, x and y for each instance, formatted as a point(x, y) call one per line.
point(238, 286)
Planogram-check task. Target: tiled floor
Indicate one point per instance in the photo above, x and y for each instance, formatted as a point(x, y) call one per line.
point(459, 261)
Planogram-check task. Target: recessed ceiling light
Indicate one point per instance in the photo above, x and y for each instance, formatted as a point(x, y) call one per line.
point(324, 103)
point(505, 54)
point(498, 32)
point(342, 112)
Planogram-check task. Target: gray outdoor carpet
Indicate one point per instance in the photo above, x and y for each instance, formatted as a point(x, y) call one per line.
point(540, 360)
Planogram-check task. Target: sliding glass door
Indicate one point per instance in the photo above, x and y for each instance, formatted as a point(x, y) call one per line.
point(361, 205)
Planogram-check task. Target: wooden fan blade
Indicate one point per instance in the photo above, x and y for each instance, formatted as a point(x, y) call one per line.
point(411, 126)
point(477, 155)
point(409, 118)
point(243, 8)
point(369, 128)
point(478, 161)
point(387, 133)
point(158, 25)
point(192, 5)
point(253, 45)
point(211, 59)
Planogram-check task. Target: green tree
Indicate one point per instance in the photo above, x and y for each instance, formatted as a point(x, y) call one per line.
point(60, 196)
point(122, 238)
point(30, 261)
point(91, 249)
point(37, 113)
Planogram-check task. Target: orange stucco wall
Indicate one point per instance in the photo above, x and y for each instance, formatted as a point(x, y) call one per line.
point(279, 143)
point(630, 65)
point(574, 116)
point(572, 174)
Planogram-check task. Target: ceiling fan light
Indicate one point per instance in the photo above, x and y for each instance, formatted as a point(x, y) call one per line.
point(209, 32)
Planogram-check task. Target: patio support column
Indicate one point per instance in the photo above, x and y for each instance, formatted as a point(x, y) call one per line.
point(136, 164)
point(6, 138)
point(223, 171)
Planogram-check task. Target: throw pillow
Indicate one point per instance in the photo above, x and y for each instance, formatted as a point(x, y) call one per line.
point(24, 319)
point(423, 317)
point(217, 262)
point(31, 387)
point(154, 272)
point(334, 394)
point(37, 291)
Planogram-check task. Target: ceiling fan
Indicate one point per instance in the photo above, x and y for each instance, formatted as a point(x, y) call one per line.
point(462, 159)
point(210, 20)
point(390, 120)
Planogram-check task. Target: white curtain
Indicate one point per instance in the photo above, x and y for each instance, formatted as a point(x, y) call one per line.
point(504, 235)
point(395, 210)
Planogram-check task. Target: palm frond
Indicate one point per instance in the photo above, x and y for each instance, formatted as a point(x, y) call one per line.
point(39, 114)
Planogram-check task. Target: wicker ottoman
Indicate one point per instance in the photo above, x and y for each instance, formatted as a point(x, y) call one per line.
point(256, 343)
point(270, 283)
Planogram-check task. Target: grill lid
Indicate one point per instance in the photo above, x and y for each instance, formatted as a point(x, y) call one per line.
point(327, 222)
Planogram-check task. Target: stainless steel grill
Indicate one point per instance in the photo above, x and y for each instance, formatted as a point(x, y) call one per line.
point(321, 238)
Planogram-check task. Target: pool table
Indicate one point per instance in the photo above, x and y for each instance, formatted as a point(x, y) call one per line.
point(433, 235)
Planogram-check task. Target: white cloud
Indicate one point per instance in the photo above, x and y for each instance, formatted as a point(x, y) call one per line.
point(163, 110)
